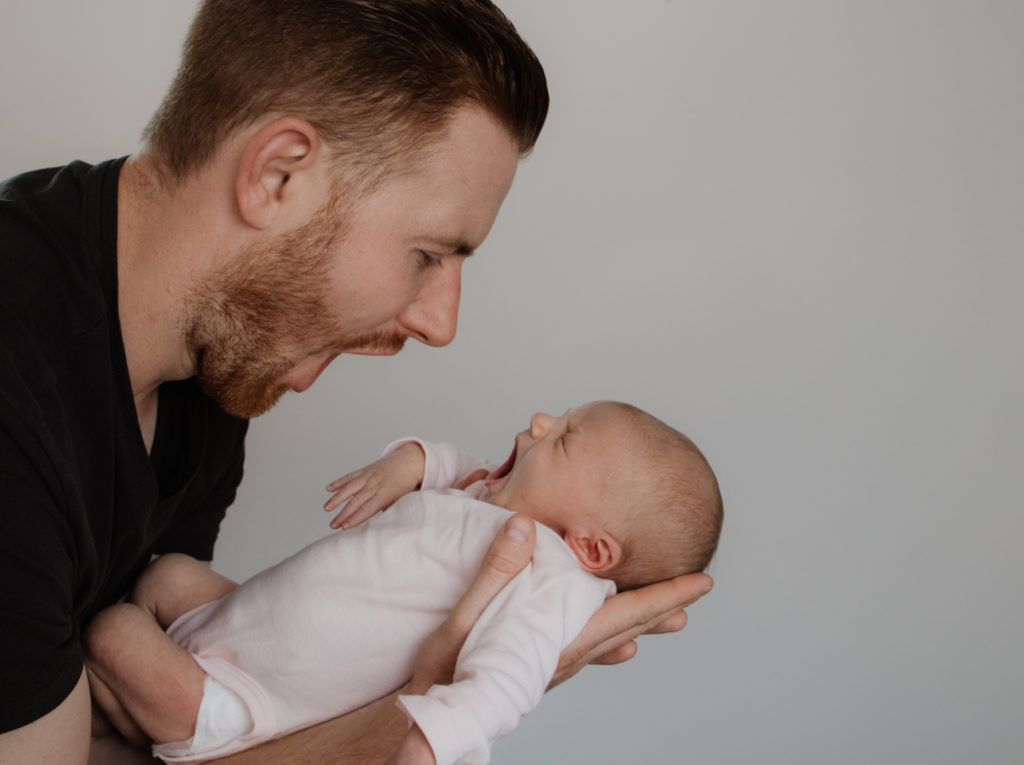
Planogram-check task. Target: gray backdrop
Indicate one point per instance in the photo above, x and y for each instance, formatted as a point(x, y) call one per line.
point(792, 229)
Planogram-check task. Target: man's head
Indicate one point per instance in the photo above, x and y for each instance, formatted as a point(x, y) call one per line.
point(370, 146)
point(378, 81)
point(634, 498)
point(360, 277)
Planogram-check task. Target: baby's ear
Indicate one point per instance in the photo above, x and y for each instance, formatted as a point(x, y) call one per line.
point(597, 552)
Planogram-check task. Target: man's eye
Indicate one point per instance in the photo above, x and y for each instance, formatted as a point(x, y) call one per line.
point(426, 260)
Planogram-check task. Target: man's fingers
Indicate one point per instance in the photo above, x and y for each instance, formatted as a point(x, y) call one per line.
point(507, 556)
point(608, 638)
point(672, 623)
point(618, 655)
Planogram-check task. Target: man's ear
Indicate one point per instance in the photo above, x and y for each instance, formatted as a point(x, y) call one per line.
point(597, 552)
point(278, 169)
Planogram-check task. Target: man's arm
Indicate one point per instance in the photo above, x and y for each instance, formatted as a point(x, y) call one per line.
point(372, 734)
point(60, 737)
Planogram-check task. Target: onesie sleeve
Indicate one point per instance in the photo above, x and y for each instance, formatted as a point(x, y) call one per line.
point(508, 658)
point(445, 464)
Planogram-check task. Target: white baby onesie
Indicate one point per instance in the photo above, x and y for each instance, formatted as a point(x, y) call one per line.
point(338, 624)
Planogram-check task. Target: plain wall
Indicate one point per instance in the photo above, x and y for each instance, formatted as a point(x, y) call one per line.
point(792, 229)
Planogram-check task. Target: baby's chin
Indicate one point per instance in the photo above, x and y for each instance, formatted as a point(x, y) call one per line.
point(493, 495)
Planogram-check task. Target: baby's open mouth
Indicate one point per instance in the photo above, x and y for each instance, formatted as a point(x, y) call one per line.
point(506, 468)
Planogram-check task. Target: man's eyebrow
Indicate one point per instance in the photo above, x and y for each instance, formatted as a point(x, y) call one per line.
point(455, 246)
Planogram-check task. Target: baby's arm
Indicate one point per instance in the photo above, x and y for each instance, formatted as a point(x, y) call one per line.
point(376, 486)
point(148, 686)
point(407, 465)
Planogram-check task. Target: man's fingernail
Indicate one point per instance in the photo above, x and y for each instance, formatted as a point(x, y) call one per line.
point(517, 529)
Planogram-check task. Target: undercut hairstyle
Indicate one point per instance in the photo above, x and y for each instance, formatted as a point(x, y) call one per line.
point(377, 79)
point(668, 507)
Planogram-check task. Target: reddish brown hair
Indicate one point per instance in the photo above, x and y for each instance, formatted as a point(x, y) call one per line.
point(376, 79)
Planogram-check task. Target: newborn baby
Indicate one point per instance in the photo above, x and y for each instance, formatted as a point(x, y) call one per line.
point(622, 500)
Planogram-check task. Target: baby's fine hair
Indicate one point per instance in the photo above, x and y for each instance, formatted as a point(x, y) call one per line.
point(669, 506)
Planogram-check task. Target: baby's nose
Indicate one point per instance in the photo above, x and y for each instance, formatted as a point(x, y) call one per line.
point(539, 424)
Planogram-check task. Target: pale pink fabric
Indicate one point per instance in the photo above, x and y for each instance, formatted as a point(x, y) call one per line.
point(338, 624)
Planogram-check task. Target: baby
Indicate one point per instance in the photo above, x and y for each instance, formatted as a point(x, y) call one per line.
point(622, 500)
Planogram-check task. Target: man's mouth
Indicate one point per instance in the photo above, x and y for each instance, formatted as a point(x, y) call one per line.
point(308, 382)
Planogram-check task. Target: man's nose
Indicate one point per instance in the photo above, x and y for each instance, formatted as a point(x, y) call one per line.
point(434, 315)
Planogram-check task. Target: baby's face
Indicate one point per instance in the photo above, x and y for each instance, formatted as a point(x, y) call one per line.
point(559, 465)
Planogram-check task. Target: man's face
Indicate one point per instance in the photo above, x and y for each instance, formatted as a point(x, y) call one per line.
point(387, 269)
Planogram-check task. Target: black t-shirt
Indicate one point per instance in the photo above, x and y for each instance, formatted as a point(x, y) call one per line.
point(82, 505)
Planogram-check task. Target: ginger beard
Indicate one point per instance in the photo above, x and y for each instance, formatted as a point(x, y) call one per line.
point(265, 311)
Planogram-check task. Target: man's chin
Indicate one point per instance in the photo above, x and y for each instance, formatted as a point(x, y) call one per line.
point(246, 401)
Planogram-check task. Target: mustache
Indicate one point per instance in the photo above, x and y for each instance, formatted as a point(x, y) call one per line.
point(381, 341)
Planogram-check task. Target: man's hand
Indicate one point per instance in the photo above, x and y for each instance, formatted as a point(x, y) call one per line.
point(609, 637)
point(414, 750)
point(508, 554)
point(376, 486)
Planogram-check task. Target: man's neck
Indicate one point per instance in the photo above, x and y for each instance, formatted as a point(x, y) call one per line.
point(146, 283)
point(163, 236)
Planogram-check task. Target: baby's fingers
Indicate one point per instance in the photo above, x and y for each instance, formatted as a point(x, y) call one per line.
point(344, 489)
point(351, 517)
point(363, 505)
point(337, 483)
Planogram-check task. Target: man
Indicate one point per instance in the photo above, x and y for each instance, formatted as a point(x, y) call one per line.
point(311, 186)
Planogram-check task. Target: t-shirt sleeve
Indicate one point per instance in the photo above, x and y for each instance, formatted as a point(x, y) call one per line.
point(39, 633)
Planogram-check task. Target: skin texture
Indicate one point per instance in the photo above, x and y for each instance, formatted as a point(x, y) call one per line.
point(387, 267)
point(560, 477)
point(148, 686)
point(355, 279)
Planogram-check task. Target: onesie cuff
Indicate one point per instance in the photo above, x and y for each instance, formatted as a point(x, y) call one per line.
point(431, 467)
point(449, 730)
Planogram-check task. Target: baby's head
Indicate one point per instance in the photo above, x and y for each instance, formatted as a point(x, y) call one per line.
point(634, 498)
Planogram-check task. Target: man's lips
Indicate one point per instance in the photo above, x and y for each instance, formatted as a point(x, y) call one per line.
point(305, 384)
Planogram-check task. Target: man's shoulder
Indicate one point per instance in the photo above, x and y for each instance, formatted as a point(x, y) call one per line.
point(50, 237)
point(56, 256)
point(41, 207)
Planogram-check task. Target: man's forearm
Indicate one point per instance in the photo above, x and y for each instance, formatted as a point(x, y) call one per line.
point(366, 736)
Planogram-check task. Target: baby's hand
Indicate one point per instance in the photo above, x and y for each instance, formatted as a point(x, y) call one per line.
point(376, 486)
